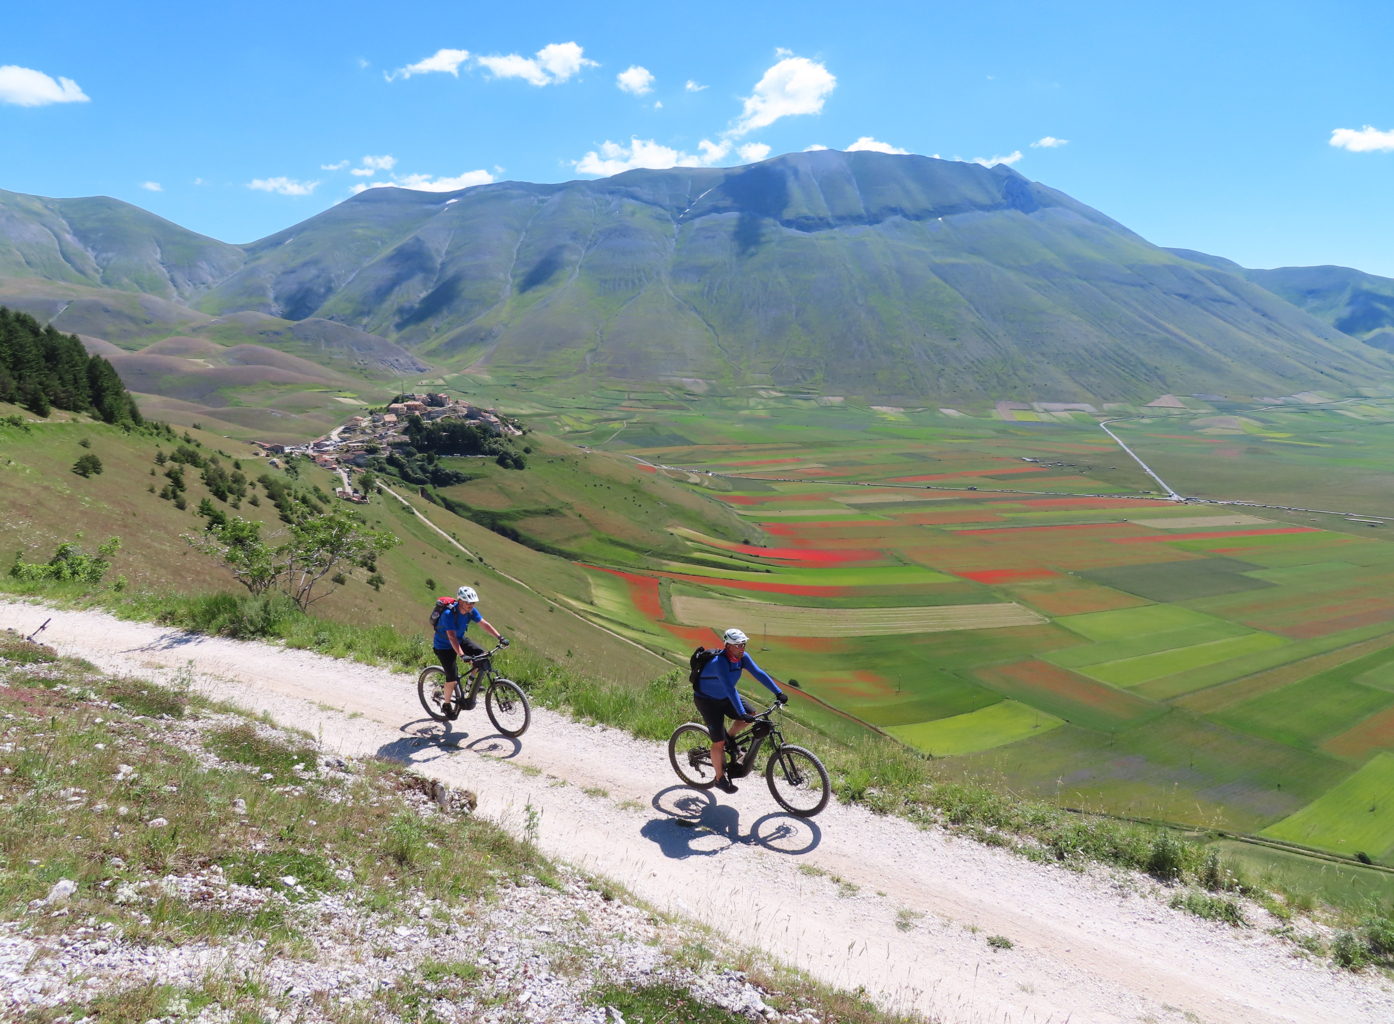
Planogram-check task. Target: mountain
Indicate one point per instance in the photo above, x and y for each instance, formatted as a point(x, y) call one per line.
point(1352, 301)
point(106, 243)
point(850, 272)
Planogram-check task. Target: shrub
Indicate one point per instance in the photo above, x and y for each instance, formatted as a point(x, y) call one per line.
point(245, 745)
point(1167, 857)
point(1350, 951)
point(87, 465)
point(68, 565)
point(999, 942)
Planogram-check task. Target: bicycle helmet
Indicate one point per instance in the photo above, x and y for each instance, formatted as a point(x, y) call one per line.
point(468, 595)
point(734, 636)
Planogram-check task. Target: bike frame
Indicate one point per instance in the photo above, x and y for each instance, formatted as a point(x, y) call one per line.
point(744, 757)
point(481, 665)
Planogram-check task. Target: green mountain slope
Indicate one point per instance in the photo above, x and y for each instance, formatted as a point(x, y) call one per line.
point(106, 243)
point(850, 271)
point(863, 273)
point(1352, 301)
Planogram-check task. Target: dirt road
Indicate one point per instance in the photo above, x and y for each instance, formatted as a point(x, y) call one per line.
point(905, 913)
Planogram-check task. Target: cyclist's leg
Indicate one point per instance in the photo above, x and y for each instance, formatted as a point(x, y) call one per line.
point(449, 662)
point(714, 714)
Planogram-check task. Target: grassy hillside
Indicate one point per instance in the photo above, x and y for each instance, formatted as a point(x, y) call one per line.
point(47, 504)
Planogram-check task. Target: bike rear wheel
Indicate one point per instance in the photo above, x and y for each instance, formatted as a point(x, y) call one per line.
point(508, 707)
point(690, 753)
point(430, 688)
point(798, 781)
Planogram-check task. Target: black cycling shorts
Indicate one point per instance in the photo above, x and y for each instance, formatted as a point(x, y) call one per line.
point(714, 712)
point(448, 657)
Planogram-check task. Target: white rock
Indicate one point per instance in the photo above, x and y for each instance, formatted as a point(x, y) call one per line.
point(239, 806)
point(156, 823)
point(289, 881)
point(61, 891)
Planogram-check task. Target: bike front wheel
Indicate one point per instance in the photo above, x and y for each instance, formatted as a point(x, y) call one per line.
point(798, 781)
point(430, 688)
point(508, 707)
point(690, 753)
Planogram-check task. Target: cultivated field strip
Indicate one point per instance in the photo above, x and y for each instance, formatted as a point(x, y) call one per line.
point(784, 620)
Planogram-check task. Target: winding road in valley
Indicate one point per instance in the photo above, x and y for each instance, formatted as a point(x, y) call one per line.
point(901, 911)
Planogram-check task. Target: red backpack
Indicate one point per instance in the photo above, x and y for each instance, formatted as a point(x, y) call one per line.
point(443, 604)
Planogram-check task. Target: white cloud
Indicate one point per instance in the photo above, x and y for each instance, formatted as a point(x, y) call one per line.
point(283, 186)
point(1009, 159)
point(866, 144)
point(796, 85)
point(152, 186)
point(614, 158)
point(334, 167)
point(1049, 142)
point(373, 164)
point(1367, 140)
point(693, 86)
point(817, 147)
point(753, 152)
point(25, 87)
point(552, 64)
point(635, 80)
point(428, 183)
point(447, 61)
point(657, 104)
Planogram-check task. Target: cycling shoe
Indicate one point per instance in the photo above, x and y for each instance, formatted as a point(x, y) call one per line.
point(726, 785)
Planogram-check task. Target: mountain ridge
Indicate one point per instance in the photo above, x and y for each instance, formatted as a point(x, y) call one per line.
point(860, 272)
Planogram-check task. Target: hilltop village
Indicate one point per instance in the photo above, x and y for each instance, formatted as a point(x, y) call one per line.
point(347, 447)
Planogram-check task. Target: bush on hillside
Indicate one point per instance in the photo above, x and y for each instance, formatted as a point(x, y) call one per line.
point(87, 465)
point(68, 565)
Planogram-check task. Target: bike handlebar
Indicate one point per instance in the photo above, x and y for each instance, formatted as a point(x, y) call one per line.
point(489, 654)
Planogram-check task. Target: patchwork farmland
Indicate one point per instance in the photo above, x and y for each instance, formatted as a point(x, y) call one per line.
point(1016, 603)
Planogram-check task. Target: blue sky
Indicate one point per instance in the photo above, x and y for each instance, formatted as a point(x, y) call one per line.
point(1203, 125)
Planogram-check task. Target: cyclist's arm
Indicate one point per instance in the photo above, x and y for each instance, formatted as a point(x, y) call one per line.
point(749, 665)
point(454, 639)
point(488, 628)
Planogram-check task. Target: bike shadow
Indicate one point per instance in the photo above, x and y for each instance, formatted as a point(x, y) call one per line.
point(424, 740)
point(695, 824)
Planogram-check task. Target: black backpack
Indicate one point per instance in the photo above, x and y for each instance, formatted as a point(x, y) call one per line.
point(443, 604)
point(698, 662)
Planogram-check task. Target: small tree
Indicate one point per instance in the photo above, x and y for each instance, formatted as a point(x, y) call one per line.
point(321, 545)
point(68, 565)
point(237, 544)
point(87, 465)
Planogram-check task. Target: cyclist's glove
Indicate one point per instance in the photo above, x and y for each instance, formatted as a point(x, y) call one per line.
point(746, 718)
point(503, 641)
point(781, 697)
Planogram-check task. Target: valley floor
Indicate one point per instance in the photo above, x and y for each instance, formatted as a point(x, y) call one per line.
point(856, 900)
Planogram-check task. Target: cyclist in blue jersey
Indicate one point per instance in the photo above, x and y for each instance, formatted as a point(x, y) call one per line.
point(717, 700)
point(451, 641)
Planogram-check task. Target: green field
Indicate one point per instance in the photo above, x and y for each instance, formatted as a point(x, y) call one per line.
point(992, 726)
point(1355, 816)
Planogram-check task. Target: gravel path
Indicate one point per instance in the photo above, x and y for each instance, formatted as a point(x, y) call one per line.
point(1100, 946)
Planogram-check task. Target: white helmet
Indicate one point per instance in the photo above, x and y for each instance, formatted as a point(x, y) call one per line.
point(734, 636)
point(468, 595)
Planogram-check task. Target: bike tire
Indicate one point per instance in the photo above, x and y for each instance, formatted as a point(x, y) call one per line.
point(690, 754)
point(508, 707)
point(798, 781)
point(430, 689)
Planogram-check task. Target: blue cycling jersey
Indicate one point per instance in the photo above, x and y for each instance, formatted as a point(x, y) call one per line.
point(453, 618)
point(719, 678)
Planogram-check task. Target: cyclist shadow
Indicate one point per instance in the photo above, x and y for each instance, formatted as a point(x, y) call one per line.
point(424, 741)
point(695, 824)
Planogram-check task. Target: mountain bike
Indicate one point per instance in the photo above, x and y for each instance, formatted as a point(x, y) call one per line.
point(797, 779)
point(504, 700)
